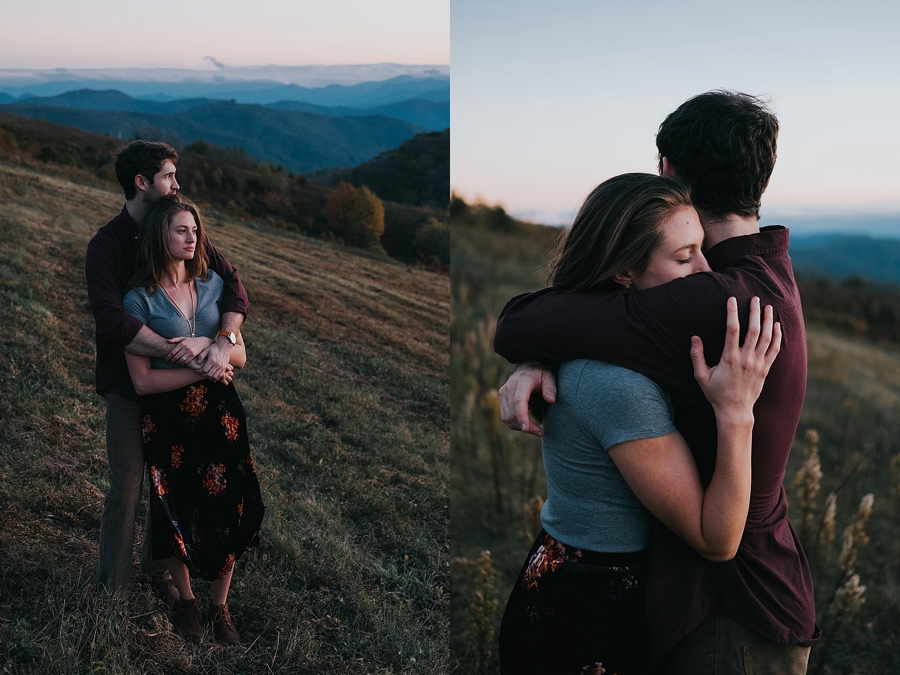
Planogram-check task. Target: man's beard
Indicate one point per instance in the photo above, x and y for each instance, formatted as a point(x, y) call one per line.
point(152, 194)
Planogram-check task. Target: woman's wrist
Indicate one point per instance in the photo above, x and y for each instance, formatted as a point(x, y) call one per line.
point(734, 420)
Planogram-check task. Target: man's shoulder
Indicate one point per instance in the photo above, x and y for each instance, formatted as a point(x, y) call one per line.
point(108, 232)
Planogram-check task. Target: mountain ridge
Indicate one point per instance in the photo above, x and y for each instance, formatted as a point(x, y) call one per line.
point(300, 141)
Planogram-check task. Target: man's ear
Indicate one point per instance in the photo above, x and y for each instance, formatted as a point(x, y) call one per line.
point(624, 278)
point(667, 168)
point(141, 182)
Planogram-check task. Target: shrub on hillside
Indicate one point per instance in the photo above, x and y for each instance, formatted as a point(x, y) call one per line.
point(433, 241)
point(355, 215)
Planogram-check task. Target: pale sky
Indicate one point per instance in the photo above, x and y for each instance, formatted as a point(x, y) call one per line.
point(115, 34)
point(549, 99)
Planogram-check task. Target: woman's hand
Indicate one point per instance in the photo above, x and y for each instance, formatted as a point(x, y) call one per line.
point(186, 349)
point(733, 385)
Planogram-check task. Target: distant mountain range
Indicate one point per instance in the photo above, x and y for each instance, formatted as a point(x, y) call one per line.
point(300, 141)
point(431, 115)
point(431, 85)
point(842, 255)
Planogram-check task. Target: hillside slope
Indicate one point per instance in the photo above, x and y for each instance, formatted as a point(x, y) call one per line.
point(346, 393)
point(416, 173)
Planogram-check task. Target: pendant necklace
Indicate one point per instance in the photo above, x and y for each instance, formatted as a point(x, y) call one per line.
point(191, 323)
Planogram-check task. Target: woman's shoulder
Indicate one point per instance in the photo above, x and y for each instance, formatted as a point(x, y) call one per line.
point(212, 285)
point(593, 383)
point(605, 375)
point(212, 279)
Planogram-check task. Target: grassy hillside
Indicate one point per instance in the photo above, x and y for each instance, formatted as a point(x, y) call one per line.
point(853, 401)
point(346, 393)
point(300, 141)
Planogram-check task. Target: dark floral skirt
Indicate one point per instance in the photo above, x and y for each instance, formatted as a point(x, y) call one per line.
point(204, 493)
point(576, 612)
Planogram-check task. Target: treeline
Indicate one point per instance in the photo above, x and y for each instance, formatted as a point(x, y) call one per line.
point(418, 172)
point(853, 305)
point(231, 182)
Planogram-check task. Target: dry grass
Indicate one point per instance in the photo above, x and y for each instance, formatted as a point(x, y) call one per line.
point(346, 393)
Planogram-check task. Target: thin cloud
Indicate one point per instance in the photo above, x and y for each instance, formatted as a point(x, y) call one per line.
point(216, 63)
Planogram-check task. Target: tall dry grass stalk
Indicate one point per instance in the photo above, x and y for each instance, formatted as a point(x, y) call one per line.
point(807, 483)
point(847, 599)
point(532, 520)
point(855, 536)
point(482, 608)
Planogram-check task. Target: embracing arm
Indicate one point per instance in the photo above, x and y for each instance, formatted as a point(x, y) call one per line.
point(661, 471)
point(149, 380)
point(663, 475)
point(648, 332)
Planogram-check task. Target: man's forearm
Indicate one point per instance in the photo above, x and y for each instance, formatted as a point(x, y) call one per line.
point(148, 343)
point(232, 321)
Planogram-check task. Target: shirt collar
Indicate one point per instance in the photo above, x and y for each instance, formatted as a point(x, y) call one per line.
point(771, 240)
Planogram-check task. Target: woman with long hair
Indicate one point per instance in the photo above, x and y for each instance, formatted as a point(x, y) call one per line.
point(612, 455)
point(204, 493)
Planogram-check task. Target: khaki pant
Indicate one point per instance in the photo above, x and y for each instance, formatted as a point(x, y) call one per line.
point(125, 451)
point(722, 646)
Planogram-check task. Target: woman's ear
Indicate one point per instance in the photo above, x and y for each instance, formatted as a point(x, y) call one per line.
point(624, 278)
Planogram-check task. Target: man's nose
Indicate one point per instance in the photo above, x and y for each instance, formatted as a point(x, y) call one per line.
point(175, 185)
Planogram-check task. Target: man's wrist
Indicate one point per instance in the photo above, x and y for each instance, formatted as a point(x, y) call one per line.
point(228, 337)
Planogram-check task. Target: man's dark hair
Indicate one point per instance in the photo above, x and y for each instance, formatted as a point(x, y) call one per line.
point(141, 157)
point(722, 143)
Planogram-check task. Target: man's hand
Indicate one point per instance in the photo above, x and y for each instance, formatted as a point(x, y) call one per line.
point(186, 349)
point(213, 361)
point(514, 396)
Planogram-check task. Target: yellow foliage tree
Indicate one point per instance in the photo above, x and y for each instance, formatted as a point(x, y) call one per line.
point(356, 215)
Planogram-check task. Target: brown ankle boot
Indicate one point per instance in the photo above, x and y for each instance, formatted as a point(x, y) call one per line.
point(223, 625)
point(187, 618)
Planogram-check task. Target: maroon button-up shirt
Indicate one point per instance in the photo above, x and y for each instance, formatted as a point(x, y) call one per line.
point(111, 258)
point(767, 585)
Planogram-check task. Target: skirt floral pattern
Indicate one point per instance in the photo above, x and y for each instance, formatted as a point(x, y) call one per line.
point(567, 614)
point(204, 492)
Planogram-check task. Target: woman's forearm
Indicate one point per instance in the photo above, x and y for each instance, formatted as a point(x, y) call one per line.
point(726, 499)
point(158, 380)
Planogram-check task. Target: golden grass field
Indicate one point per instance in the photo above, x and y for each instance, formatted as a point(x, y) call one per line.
point(346, 391)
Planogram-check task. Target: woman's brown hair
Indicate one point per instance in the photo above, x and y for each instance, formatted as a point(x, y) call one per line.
point(616, 229)
point(154, 260)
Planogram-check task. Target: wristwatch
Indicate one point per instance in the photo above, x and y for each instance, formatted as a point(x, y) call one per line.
point(232, 338)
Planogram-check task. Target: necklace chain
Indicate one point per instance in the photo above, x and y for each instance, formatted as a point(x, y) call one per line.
point(191, 323)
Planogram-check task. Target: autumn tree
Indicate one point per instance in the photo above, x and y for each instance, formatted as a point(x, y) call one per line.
point(356, 215)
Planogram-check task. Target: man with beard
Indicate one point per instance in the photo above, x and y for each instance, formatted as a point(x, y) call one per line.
point(146, 172)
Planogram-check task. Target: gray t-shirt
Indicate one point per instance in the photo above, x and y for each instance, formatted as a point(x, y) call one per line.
point(589, 504)
point(163, 318)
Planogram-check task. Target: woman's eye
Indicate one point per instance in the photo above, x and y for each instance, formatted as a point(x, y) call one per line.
point(687, 260)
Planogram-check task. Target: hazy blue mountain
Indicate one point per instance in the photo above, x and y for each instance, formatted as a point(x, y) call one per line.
point(843, 255)
point(110, 99)
point(6, 98)
point(431, 115)
point(362, 95)
point(300, 141)
point(879, 225)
